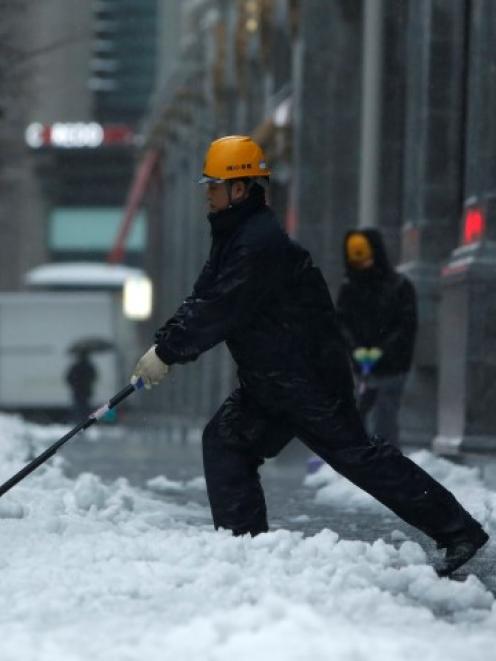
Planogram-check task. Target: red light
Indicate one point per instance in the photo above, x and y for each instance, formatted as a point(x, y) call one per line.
point(475, 225)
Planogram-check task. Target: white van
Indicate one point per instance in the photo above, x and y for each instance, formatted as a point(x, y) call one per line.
point(67, 304)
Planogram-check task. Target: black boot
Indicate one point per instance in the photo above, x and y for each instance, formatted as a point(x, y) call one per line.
point(460, 550)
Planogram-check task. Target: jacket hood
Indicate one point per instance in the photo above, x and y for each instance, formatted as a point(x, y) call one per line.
point(382, 266)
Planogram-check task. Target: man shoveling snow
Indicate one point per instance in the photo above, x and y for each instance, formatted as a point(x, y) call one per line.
point(261, 294)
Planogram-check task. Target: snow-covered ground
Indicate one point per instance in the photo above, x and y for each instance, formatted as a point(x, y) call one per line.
point(94, 571)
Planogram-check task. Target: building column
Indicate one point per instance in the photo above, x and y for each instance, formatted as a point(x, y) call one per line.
point(467, 389)
point(435, 98)
point(327, 96)
point(372, 74)
point(389, 168)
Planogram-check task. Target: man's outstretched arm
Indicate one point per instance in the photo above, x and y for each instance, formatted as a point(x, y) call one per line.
point(218, 306)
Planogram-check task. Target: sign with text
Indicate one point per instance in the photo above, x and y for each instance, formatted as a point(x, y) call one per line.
point(78, 135)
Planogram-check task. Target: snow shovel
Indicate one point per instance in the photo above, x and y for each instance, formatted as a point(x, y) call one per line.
point(49, 452)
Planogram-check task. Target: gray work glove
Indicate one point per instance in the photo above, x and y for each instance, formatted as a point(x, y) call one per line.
point(150, 369)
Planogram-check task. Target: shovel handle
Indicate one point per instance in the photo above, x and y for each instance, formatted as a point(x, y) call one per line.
point(49, 452)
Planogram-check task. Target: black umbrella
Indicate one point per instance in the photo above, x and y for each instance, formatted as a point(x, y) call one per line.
point(91, 345)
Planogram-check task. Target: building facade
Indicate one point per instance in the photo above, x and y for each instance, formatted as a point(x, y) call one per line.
point(79, 81)
point(372, 114)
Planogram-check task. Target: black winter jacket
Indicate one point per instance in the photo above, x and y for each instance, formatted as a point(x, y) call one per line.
point(260, 293)
point(377, 308)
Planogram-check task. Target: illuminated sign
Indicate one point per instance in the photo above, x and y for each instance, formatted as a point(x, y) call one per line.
point(77, 135)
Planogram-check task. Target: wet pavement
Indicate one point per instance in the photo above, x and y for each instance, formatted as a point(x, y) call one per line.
point(140, 455)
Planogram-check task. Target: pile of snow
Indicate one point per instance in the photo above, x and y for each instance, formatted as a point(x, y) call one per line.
point(106, 571)
point(162, 484)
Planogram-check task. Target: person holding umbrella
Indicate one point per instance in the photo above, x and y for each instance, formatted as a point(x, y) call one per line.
point(261, 294)
point(81, 377)
point(82, 374)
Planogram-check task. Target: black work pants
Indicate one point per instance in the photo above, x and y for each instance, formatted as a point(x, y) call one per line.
point(243, 432)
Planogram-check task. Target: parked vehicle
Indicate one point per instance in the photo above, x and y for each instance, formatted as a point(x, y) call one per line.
point(68, 307)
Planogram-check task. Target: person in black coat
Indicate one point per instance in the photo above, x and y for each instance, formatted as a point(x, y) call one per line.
point(377, 311)
point(261, 294)
point(81, 377)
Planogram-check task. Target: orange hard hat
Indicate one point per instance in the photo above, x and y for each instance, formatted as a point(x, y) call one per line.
point(359, 252)
point(233, 157)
